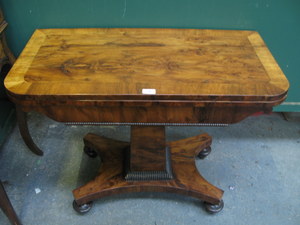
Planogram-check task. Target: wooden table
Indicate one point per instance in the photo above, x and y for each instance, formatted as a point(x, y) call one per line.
point(146, 78)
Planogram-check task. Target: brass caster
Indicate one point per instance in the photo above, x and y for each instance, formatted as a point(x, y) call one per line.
point(204, 153)
point(211, 208)
point(82, 209)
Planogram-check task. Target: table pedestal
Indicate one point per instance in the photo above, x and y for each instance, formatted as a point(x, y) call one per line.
point(148, 164)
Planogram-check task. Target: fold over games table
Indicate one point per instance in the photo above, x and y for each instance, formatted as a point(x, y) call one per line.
point(148, 79)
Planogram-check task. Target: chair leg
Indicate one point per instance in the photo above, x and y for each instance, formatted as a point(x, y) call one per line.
point(7, 207)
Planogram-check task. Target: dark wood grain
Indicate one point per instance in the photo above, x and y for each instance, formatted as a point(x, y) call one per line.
point(6, 56)
point(147, 148)
point(7, 59)
point(152, 112)
point(23, 127)
point(97, 75)
point(117, 64)
point(110, 181)
point(7, 208)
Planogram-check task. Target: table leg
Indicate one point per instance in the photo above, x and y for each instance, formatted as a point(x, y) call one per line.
point(23, 127)
point(7, 207)
point(184, 177)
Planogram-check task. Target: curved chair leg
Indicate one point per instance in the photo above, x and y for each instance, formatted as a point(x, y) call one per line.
point(22, 122)
point(7, 207)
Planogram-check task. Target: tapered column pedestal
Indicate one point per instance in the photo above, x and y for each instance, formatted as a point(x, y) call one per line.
point(148, 164)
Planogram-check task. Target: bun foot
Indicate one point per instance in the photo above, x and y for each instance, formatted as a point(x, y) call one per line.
point(204, 153)
point(211, 208)
point(82, 209)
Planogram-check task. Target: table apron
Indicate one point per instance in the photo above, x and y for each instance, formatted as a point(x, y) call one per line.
point(156, 114)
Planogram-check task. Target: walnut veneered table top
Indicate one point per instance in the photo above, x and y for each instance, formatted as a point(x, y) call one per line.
point(117, 64)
